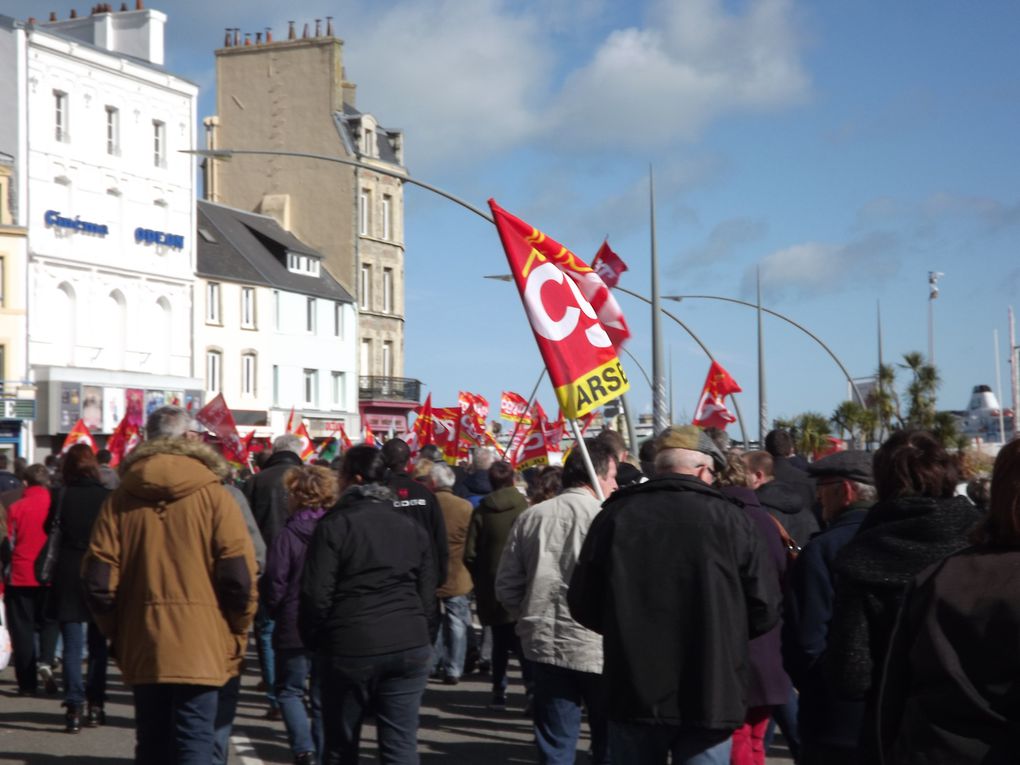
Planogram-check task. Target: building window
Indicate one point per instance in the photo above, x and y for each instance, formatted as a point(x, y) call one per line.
point(3, 362)
point(276, 310)
point(276, 385)
point(366, 357)
point(310, 315)
point(338, 318)
point(60, 116)
point(213, 371)
point(366, 286)
point(212, 303)
point(311, 387)
point(302, 264)
point(387, 359)
point(387, 206)
point(159, 143)
point(364, 203)
point(338, 389)
point(387, 290)
point(248, 307)
point(247, 374)
point(3, 280)
point(112, 131)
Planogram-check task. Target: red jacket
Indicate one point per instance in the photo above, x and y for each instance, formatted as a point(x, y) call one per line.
point(25, 520)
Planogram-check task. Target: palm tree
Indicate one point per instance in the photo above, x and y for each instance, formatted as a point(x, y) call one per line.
point(921, 391)
point(884, 402)
point(946, 430)
point(848, 418)
point(813, 430)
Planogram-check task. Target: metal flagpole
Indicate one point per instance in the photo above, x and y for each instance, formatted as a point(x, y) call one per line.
point(763, 407)
point(1014, 377)
point(629, 419)
point(517, 424)
point(587, 461)
point(659, 413)
point(998, 388)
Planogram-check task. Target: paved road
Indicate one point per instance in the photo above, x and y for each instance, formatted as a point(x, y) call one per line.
point(457, 728)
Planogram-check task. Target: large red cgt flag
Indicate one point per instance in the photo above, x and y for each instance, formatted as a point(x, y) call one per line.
point(712, 411)
point(608, 265)
point(79, 434)
point(532, 450)
point(576, 321)
point(514, 407)
point(218, 418)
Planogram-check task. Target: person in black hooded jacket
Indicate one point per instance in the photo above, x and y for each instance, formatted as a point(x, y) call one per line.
point(916, 522)
point(789, 503)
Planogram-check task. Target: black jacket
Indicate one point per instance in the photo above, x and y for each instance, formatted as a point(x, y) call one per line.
point(676, 578)
point(790, 504)
point(421, 504)
point(952, 680)
point(897, 541)
point(807, 610)
point(267, 495)
point(79, 505)
point(369, 582)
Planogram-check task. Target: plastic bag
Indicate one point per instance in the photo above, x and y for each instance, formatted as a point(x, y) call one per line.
point(5, 639)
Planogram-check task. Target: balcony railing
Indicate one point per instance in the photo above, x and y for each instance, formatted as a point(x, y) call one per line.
point(389, 388)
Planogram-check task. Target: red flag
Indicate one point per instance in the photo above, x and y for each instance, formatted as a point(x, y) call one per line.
point(423, 432)
point(832, 446)
point(608, 265)
point(218, 418)
point(532, 450)
point(476, 402)
point(344, 440)
point(553, 432)
point(445, 430)
point(79, 435)
point(514, 407)
point(576, 320)
point(290, 422)
point(307, 444)
point(369, 436)
point(712, 411)
point(124, 438)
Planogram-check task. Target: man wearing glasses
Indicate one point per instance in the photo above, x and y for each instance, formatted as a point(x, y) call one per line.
point(676, 578)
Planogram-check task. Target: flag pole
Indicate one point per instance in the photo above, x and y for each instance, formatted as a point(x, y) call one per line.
point(595, 487)
point(517, 423)
point(763, 415)
point(659, 413)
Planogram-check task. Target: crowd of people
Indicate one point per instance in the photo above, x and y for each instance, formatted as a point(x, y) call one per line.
point(683, 605)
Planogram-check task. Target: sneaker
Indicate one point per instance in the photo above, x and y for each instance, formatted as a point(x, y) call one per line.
point(450, 680)
point(49, 682)
point(498, 701)
point(72, 720)
point(304, 758)
point(95, 716)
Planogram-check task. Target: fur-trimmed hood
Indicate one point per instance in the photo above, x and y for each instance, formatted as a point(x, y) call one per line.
point(167, 469)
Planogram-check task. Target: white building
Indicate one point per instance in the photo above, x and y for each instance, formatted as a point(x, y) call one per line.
point(95, 129)
point(275, 330)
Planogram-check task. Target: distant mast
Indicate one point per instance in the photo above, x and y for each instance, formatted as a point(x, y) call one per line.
point(1014, 378)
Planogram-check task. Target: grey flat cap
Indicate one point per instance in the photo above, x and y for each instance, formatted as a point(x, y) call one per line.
point(853, 465)
point(693, 438)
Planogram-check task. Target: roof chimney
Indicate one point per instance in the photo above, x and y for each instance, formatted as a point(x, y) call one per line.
point(237, 36)
point(304, 35)
point(74, 14)
point(318, 27)
point(53, 15)
point(258, 38)
point(329, 26)
point(269, 35)
point(226, 39)
point(247, 39)
point(291, 34)
point(123, 7)
point(139, 5)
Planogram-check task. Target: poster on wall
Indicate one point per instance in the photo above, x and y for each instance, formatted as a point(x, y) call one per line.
point(113, 408)
point(192, 400)
point(92, 407)
point(134, 405)
point(175, 398)
point(70, 405)
point(154, 399)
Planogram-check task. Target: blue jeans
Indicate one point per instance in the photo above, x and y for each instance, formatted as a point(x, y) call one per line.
point(559, 693)
point(174, 723)
point(640, 744)
point(785, 716)
point(451, 646)
point(76, 688)
point(264, 646)
point(294, 666)
point(226, 708)
point(391, 685)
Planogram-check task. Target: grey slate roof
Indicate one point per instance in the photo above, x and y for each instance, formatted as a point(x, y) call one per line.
point(351, 116)
point(252, 249)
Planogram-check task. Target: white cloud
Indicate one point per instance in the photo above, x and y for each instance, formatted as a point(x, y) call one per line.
point(691, 63)
point(723, 241)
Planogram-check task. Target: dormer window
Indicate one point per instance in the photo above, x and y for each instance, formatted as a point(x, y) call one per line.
point(302, 264)
point(368, 141)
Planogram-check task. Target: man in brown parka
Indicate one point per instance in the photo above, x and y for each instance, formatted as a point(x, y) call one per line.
point(170, 577)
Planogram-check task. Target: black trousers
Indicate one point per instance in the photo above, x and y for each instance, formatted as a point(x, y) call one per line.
point(25, 607)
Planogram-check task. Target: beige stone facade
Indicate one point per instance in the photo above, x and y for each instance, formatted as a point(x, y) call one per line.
point(291, 96)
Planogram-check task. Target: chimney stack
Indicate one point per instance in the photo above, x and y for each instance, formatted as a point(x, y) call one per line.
point(123, 7)
point(53, 15)
point(318, 27)
point(237, 36)
point(247, 39)
point(269, 35)
point(291, 34)
point(329, 26)
point(304, 35)
point(74, 14)
point(139, 5)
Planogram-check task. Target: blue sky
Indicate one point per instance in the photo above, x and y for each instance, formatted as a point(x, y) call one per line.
point(845, 149)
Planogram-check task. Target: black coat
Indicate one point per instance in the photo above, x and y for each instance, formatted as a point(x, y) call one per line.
point(421, 504)
point(676, 578)
point(369, 582)
point(791, 504)
point(951, 690)
point(267, 495)
point(79, 504)
point(807, 610)
point(898, 539)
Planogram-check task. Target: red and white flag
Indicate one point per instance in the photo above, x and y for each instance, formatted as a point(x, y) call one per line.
point(514, 407)
point(368, 437)
point(608, 265)
point(345, 441)
point(79, 435)
point(533, 450)
point(712, 411)
point(307, 444)
point(217, 417)
point(124, 438)
point(290, 422)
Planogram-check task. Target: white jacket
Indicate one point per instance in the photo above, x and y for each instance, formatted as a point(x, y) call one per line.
point(534, 574)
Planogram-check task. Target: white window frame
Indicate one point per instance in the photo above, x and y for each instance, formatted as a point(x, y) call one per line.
point(276, 385)
point(214, 371)
point(159, 143)
point(113, 131)
point(248, 308)
point(249, 374)
point(365, 359)
point(277, 311)
point(311, 387)
point(61, 116)
point(213, 314)
point(311, 315)
point(364, 217)
point(365, 290)
point(387, 290)
point(387, 358)
point(338, 382)
point(338, 320)
point(387, 207)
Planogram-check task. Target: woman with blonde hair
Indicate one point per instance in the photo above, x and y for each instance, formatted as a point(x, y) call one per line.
point(312, 491)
